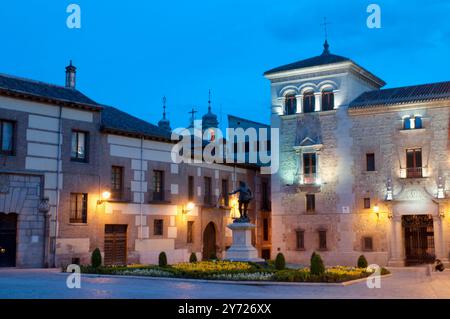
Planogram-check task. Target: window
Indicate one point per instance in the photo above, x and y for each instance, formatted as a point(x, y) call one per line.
point(414, 163)
point(413, 122)
point(158, 185)
point(158, 227)
point(6, 137)
point(208, 195)
point(78, 208)
point(327, 100)
point(290, 104)
point(367, 243)
point(265, 203)
point(308, 102)
point(310, 203)
point(79, 146)
point(366, 203)
point(309, 168)
point(265, 229)
point(300, 239)
point(191, 188)
point(225, 196)
point(322, 239)
point(370, 162)
point(190, 232)
point(116, 182)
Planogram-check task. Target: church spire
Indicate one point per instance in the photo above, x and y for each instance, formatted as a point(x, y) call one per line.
point(164, 123)
point(209, 120)
point(326, 46)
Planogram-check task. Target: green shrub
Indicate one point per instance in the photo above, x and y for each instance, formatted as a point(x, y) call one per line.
point(362, 262)
point(96, 258)
point(317, 267)
point(193, 258)
point(280, 262)
point(162, 260)
point(213, 256)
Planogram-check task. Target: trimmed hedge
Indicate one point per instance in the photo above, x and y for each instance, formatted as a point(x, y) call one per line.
point(280, 262)
point(162, 259)
point(317, 267)
point(96, 258)
point(193, 258)
point(362, 262)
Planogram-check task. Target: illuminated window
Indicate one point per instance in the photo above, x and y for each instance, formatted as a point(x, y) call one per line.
point(327, 100)
point(79, 146)
point(290, 106)
point(413, 122)
point(308, 102)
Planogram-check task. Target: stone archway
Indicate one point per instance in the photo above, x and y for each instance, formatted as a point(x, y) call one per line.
point(209, 241)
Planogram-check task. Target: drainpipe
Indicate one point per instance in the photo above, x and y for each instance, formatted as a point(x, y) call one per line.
point(141, 188)
point(58, 194)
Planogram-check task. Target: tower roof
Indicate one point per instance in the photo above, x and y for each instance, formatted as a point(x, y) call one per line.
point(325, 58)
point(164, 123)
point(209, 120)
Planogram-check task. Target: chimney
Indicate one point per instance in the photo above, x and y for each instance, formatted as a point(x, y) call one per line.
point(71, 76)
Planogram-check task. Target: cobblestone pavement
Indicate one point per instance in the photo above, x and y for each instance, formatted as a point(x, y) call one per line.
point(50, 283)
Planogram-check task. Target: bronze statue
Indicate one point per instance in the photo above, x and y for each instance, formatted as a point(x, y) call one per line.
point(245, 196)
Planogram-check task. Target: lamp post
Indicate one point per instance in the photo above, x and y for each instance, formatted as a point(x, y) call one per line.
point(187, 208)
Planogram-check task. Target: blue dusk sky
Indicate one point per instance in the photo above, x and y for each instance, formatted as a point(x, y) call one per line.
point(131, 53)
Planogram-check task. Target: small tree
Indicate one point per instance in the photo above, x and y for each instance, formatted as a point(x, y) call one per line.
point(362, 262)
point(96, 258)
point(193, 258)
point(162, 260)
point(280, 262)
point(317, 267)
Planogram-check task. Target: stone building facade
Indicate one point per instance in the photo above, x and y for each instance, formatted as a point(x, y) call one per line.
point(62, 154)
point(363, 170)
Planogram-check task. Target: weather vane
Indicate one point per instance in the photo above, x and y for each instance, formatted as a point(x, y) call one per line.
point(325, 24)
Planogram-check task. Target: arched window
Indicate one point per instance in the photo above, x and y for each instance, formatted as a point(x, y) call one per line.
point(290, 106)
point(327, 100)
point(417, 122)
point(308, 102)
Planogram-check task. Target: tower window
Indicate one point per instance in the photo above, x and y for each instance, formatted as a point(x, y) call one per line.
point(310, 203)
point(370, 162)
point(308, 102)
point(290, 104)
point(327, 100)
point(413, 122)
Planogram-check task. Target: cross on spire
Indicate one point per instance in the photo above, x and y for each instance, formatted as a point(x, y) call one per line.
point(209, 100)
point(192, 115)
point(325, 27)
point(164, 100)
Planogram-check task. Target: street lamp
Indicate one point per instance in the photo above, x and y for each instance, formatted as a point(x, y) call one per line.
point(376, 210)
point(189, 207)
point(104, 198)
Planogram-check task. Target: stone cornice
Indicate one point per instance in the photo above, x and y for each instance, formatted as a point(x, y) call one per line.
point(375, 109)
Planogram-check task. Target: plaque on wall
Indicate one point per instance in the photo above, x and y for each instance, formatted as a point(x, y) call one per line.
point(4, 184)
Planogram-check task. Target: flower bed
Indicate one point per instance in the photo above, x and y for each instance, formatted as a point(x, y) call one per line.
point(225, 270)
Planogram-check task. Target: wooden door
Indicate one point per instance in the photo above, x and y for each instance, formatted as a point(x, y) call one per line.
point(115, 245)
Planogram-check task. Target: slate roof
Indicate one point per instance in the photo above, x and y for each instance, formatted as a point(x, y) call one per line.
point(35, 90)
point(117, 121)
point(402, 95)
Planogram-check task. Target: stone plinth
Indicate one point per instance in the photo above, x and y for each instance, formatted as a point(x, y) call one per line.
point(242, 248)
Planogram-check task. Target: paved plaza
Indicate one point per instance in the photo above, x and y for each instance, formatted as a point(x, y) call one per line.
point(50, 283)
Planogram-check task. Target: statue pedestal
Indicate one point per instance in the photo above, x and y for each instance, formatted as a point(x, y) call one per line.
point(242, 248)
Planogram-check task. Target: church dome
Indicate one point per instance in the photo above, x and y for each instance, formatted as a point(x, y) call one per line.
point(209, 120)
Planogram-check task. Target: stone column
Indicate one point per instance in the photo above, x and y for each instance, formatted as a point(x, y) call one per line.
point(242, 248)
point(439, 242)
point(396, 243)
point(299, 103)
point(318, 101)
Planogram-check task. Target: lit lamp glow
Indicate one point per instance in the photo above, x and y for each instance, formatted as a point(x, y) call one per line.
point(104, 198)
point(376, 210)
point(234, 211)
point(189, 207)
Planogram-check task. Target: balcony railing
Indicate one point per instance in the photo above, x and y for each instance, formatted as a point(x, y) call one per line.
point(162, 196)
point(414, 172)
point(307, 179)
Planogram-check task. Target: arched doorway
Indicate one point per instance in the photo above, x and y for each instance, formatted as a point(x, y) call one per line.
point(8, 243)
point(209, 241)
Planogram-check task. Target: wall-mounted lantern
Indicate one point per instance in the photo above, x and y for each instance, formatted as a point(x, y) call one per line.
point(104, 198)
point(187, 208)
point(376, 210)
